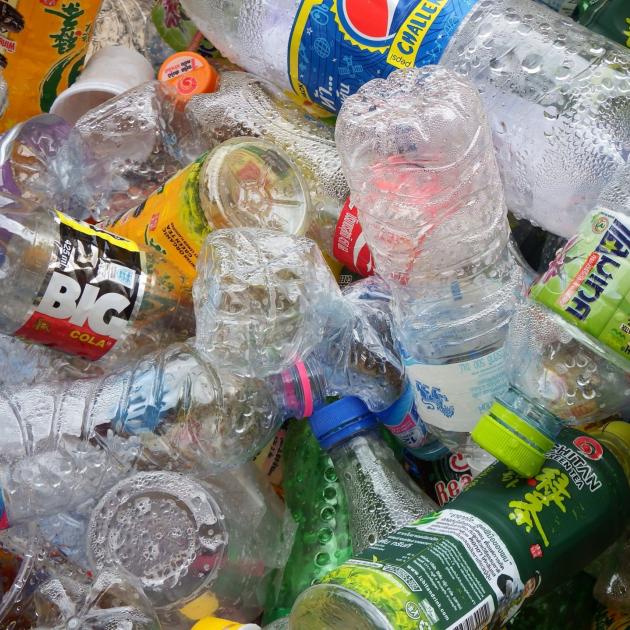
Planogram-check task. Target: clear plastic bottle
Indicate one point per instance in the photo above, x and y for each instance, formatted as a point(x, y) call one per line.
point(556, 94)
point(381, 497)
point(248, 105)
point(199, 546)
point(417, 152)
point(243, 182)
point(65, 443)
point(47, 162)
point(84, 291)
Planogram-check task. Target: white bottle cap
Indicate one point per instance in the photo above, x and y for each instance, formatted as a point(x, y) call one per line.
point(110, 72)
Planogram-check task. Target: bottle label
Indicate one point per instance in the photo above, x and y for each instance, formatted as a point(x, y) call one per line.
point(588, 283)
point(452, 397)
point(402, 420)
point(349, 244)
point(91, 294)
point(475, 564)
point(338, 45)
point(445, 479)
point(171, 220)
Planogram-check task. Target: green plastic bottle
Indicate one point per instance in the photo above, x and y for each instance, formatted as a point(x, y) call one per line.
point(474, 563)
point(318, 504)
point(608, 17)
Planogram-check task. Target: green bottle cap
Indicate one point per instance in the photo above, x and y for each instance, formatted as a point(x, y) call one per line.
point(512, 440)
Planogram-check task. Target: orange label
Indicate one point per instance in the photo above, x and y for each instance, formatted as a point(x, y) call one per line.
point(171, 220)
point(43, 43)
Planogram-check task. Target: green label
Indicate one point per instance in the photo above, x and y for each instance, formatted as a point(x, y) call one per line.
point(503, 539)
point(588, 283)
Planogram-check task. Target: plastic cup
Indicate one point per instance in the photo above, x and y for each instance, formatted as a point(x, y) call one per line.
point(110, 72)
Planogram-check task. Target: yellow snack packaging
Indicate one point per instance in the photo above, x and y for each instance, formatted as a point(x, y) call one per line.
point(42, 48)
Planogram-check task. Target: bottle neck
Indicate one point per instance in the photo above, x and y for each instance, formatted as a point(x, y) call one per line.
point(300, 389)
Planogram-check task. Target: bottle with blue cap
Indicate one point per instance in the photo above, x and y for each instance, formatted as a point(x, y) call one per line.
point(381, 497)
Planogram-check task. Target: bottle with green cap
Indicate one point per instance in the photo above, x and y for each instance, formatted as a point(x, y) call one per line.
point(570, 343)
point(474, 563)
point(381, 496)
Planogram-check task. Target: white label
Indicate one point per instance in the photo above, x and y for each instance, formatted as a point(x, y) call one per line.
point(489, 554)
point(454, 396)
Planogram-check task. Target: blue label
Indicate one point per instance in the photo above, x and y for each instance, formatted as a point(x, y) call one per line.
point(338, 45)
point(402, 420)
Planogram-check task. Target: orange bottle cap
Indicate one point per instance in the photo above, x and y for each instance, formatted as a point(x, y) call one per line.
point(189, 73)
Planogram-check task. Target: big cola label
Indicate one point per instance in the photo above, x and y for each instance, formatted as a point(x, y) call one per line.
point(91, 293)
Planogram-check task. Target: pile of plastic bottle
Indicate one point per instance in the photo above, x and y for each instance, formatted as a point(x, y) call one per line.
point(315, 314)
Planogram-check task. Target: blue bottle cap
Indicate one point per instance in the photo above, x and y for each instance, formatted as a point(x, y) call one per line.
point(341, 420)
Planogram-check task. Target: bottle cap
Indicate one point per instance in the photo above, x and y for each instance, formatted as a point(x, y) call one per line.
point(512, 440)
point(214, 623)
point(341, 420)
point(189, 73)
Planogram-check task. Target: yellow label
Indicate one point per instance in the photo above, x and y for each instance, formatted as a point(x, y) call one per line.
point(410, 35)
point(91, 230)
point(46, 55)
point(171, 220)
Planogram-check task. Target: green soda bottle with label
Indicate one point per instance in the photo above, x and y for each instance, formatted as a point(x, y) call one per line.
point(570, 343)
point(317, 502)
point(473, 564)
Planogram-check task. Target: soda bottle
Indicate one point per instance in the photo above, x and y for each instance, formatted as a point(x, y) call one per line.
point(243, 182)
point(248, 105)
point(381, 497)
point(315, 496)
point(85, 291)
point(554, 92)
point(417, 153)
point(569, 345)
point(473, 564)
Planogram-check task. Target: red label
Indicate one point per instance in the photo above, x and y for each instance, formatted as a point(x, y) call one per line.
point(349, 245)
point(80, 340)
point(590, 447)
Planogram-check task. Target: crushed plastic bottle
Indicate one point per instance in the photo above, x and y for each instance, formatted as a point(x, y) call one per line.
point(417, 152)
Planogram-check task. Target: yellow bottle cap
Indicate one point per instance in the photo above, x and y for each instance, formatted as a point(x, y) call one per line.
point(202, 606)
point(619, 429)
point(214, 623)
point(189, 73)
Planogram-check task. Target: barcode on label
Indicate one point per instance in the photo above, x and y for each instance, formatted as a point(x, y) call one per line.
point(116, 273)
point(478, 617)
